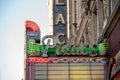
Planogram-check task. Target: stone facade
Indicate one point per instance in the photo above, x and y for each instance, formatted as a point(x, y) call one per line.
point(92, 19)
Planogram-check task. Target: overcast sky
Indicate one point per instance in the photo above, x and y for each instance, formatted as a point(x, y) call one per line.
point(13, 14)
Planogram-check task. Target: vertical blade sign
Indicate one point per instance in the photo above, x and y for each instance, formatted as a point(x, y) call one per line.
point(60, 21)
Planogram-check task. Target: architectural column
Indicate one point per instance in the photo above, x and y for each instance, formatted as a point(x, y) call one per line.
point(90, 27)
point(79, 10)
point(99, 18)
point(70, 17)
point(113, 3)
point(85, 38)
point(108, 8)
point(88, 32)
point(93, 28)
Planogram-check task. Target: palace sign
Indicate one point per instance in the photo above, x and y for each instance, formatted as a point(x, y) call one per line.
point(54, 50)
point(60, 20)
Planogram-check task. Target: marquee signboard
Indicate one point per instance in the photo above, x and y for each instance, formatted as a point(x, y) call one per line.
point(58, 61)
point(44, 69)
point(90, 50)
point(60, 20)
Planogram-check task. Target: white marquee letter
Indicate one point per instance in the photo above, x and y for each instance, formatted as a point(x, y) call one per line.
point(60, 19)
point(57, 2)
point(58, 41)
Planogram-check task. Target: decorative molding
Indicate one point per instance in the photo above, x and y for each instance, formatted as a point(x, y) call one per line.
point(112, 21)
point(67, 60)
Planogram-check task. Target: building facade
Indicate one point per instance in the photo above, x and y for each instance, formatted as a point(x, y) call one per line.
point(99, 22)
point(75, 10)
point(84, 22)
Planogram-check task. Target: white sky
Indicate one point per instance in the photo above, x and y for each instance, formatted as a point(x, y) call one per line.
point(13, 14)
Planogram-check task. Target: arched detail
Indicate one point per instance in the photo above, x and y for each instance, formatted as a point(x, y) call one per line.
point(32, 26)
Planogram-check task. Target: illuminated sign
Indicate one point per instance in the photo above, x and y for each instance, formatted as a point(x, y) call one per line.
point(67, 60)
point(38, 60)
point(38, 70)
point(48, 50)
point(31, 26)
point(60, 20)
point(33, 35)
point(33, 48)
point(34, 38)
